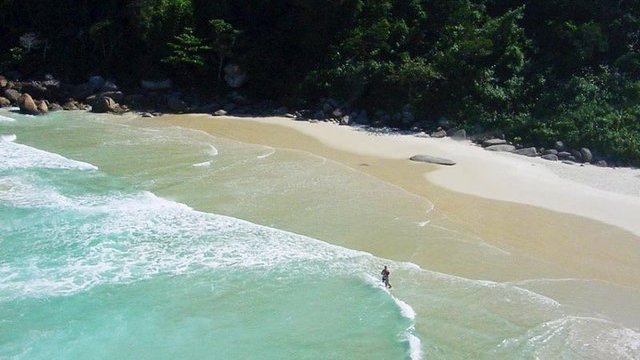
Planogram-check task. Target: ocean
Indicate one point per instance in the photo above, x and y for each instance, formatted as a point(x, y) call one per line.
point(126, 238)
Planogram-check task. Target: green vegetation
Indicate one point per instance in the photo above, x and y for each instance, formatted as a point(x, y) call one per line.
point(539, 71)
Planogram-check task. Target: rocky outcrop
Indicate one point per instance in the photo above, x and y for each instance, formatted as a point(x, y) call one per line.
point(432, 160)
point(27, 105)
point(4, 102)
point(502, 147)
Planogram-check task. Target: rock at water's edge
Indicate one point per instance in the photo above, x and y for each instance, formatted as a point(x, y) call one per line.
point(432, 160)
point(27, 105)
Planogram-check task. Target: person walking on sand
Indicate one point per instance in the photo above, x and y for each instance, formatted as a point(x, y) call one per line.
point(385, 277)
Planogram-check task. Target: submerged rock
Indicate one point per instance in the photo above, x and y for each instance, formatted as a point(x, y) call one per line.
point(432, 160)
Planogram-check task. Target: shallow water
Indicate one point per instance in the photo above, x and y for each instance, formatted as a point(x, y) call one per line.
point(114, 245)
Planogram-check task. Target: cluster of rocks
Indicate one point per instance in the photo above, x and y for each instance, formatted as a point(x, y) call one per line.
point(38, 97)
point(559, 153)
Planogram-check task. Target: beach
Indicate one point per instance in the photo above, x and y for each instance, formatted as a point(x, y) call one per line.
point(273, 232)
point(582, 221)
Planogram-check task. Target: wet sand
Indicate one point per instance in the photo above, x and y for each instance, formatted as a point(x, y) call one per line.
point(537, 243)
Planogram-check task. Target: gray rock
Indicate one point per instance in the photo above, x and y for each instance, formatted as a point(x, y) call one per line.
point(439, 134)
point(551, 157)
point(345, 120)
point(501, 147)
point(42, 106)
point(27, 105)
point(104, 104)
point(55, 107)
point(13, 95)
point(220, 112)
point(586, 155)
point(568, 162)
point(4, 102)
point(492, 142)
point(559, 145)
point(3, 82)
point(422, 135)
point(601, 163)
point(70, 105)
point(319, 115)
point(550, 152)
point(563, 155)
point(117, 96)
point(459, 135)
point(146, 115)
point(290, 116)
point(432, 160)
point(529, 151)
point(577, 154)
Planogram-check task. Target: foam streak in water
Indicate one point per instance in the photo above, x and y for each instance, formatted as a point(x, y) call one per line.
point(19, 156)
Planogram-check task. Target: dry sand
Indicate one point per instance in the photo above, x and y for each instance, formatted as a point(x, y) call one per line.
point(504, 199)
point(604, 194)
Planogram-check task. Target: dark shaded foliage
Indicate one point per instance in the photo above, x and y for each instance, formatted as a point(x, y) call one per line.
point(539, 71)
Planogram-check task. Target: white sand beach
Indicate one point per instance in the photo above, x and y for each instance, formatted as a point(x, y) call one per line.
point(609, 195)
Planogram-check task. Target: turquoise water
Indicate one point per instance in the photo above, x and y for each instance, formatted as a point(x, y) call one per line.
point(112, 246)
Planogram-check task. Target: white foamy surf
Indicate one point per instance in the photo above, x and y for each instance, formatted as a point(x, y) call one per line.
point(19, 156)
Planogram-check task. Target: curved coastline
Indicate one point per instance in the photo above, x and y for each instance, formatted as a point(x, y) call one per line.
point(504, 216)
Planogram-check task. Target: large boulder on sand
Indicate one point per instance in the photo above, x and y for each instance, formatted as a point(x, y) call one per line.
point(491, 142)
point(27, 105)
point(529, 151)
point(586, 155)
point(503, 147)
point(432, 159)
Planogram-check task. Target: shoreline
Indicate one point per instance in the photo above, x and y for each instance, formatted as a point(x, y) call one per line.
point(608, 195)
point(544, 243)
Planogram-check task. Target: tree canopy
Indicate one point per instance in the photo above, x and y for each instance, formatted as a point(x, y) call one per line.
point(539, 71)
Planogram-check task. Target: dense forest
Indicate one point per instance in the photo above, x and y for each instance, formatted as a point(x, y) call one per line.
point(536, 70)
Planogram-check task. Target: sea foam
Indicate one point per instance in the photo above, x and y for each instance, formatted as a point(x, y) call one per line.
point(6, 119)
point(19, 156)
